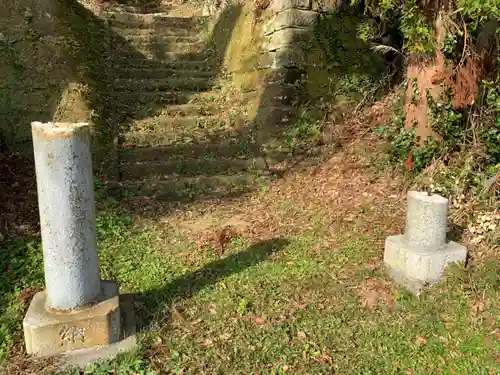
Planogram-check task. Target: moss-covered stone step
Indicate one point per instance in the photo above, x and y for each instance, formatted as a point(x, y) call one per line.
point(161, 84)
point(153, 20)
point(160, 28)
point(190, 188)
point(156, 49)
point(124, 54)
point(232, 148)
point(153, 98)
point(126, 32)
point(164, 122)
point(143, 9)
point(186, 167)
point(141, 39)
point(187, 110)
point(120, 63)
point(133, 72)
point(142, 112)
point(179, 111)
point(166, 131)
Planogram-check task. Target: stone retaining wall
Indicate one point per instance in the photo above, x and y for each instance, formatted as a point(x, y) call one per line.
point(287, 31)
point(34, 67)
point(283, 32)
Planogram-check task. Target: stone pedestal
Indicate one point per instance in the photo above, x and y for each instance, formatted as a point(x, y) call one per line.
point(419, 257)
point(49, 332)
point(77, 311)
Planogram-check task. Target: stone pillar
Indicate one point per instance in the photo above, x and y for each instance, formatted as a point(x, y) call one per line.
point(77, 310)
point(63, 165)
point(419, 256)
point(426, 220)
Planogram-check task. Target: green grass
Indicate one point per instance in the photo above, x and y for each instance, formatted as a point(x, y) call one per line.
point(282, 306)
point(294, 305)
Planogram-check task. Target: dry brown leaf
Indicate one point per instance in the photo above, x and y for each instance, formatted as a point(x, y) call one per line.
point(207, 342)
point(27, 294)
point(323, 358)
point(375, 291)
point(302, 335)
point(420, 339)
point(260, 320)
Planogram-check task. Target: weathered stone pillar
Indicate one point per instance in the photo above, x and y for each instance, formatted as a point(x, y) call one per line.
point(77, 310)
point(67, 213)
point(419, 256)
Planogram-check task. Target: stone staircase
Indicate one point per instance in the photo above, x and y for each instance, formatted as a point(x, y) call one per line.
point(181, 130)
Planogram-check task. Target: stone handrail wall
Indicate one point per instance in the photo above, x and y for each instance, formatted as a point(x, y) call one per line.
point(287, 31)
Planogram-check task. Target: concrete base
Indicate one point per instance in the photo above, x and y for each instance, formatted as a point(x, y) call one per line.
point(82, 357)
point(416, 268)
point(83, 336)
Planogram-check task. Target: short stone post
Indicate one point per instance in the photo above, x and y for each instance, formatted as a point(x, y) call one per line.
point(419, 256)
point(77, 310)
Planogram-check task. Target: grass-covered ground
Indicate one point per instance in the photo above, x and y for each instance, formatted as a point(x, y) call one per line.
point(285, 280)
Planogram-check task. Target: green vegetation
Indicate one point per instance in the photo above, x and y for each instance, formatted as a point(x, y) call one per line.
point(304, 308)
point(21, 266)
point(470, 28)
point(300, 287)
point(341, 66)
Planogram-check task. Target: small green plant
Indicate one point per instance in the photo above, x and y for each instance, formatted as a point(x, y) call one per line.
point(243, 306)
point(111, 225)
point(302, 132)
point(450, 124)
point(490, 135)
point(127, 364)
point(400, 144)
point(425, 154)
point(367, 30)
point(450, 42)
point(418, 33)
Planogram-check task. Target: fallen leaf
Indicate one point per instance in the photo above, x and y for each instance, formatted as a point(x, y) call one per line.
point(208, 342)
point(302, 335)
point(409, 162)
point(420, 339)
point(27, 294)
point(477, 308)
point(323, 358)
point(260, 320)
point(375, 291)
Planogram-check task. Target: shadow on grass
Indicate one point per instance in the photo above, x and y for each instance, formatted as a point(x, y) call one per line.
point(158, 301)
